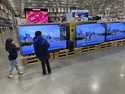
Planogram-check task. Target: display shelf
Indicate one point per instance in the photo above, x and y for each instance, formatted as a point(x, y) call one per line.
point(83, 50)
point(5, 13)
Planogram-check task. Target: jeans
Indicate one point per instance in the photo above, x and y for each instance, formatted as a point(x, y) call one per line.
point(13, 65)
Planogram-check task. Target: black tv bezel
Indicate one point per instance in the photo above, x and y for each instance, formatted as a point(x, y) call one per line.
point(51, 51)
point(107, 40)
point(89, 44)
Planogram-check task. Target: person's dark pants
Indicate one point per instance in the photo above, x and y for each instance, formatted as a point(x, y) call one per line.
point(46, 65)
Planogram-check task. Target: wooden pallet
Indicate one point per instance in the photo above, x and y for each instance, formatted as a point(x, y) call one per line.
point(121, 43)
point(61, 53)
point(73, 52)
point(29, 59)
point(66, 52)
point(32, 59)
point(105, 45)
point(87, 49)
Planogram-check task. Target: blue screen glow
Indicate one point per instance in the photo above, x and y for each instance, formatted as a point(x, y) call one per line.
point(54, 35)
point(89, 34)
point(115, 31)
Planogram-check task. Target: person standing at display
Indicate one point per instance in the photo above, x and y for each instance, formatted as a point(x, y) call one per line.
point(12, 50)
point(41, 46)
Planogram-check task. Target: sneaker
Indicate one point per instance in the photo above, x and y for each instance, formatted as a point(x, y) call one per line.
point(44, 73)
point(10, 76)
point(20, 73)
point(49, 72)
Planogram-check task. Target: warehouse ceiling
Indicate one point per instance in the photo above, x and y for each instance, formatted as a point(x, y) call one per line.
point(92, 5)
point(19, 5)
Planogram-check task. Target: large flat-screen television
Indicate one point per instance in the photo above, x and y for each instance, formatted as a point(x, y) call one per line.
point(89, 34)
point(36, 16)
point(54, 33)
point(115, 31)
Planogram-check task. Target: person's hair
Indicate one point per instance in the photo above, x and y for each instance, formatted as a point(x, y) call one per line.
point(8, 43)
point(38, 33)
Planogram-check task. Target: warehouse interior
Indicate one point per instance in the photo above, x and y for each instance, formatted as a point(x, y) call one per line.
point(87, 46)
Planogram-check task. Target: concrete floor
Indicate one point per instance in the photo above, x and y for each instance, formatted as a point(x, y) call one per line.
point(102, 72)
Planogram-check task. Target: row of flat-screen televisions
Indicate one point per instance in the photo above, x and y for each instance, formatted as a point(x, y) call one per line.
point(57, 36)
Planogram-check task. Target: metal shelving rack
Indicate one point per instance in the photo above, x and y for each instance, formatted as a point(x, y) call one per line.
point(7, 23)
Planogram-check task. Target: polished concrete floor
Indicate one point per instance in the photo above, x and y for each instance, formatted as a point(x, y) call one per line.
point(102, 72)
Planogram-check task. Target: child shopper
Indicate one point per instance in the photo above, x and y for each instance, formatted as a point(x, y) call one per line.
point(12, 50)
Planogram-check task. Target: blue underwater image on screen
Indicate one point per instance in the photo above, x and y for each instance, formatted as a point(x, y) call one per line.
point(54, 35)
point(115, 31)
point(89, 34)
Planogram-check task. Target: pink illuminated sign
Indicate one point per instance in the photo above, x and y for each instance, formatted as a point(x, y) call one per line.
point(37, 17)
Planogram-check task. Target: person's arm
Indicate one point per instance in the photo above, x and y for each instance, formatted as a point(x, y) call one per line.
point(16, 45)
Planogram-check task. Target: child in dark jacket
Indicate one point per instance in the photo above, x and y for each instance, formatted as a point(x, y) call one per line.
point(12, 50)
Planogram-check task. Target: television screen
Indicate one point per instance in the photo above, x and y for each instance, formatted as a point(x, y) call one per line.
point(36, 17)
point(55, 35)
point(89, 34)
point(115, 31)
point(80, 14)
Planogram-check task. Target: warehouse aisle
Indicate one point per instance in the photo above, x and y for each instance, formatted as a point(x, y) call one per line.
point(102, 72)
